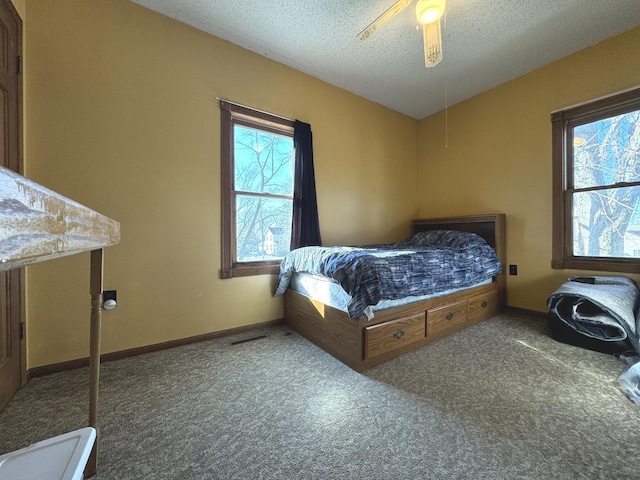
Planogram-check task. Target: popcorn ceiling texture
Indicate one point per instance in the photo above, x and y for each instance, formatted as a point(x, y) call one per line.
point(486, 42)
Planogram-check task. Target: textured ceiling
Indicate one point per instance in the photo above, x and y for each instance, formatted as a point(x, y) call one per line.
point(485, 42)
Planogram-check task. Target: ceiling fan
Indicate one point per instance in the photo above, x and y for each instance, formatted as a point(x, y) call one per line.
point(428, 13)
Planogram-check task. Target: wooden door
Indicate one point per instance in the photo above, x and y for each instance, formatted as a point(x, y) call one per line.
point(12, 358)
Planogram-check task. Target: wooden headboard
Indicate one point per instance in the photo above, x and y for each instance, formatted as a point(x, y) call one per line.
point(489, 226)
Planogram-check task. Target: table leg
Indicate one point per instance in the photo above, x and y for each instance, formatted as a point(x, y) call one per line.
point(97, 263)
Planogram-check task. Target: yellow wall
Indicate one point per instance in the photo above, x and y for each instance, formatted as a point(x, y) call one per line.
point(121, 115)
point(492, 153)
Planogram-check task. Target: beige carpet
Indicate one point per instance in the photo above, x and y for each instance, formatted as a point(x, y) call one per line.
point(501, 400)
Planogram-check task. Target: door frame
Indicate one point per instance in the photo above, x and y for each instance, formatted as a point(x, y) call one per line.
point(15, 161)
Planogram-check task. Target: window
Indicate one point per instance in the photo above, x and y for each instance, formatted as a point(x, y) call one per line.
point(596, 185)
point(257, 190)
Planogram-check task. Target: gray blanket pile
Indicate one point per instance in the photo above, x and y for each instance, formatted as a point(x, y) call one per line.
point(600, 307)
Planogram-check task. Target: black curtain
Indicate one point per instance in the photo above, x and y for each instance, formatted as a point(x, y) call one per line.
point(305, 229)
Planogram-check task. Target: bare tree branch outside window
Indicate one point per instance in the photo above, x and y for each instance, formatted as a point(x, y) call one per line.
point(263, 193)
point(606, 187)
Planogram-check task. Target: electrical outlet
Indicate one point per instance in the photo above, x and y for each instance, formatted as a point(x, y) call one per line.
point(109, 295)
point(513, 269)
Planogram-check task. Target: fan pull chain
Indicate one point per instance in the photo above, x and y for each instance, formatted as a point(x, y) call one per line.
point(446, 110)
point(446, 93)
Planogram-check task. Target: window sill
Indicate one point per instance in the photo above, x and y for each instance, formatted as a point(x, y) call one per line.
point(606, 265)
point(249, 269)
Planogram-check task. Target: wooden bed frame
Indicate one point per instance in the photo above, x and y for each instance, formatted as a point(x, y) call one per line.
point(362, 343)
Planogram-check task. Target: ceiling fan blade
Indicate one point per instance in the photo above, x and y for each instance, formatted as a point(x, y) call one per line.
point(432, 37)
point(391, 12)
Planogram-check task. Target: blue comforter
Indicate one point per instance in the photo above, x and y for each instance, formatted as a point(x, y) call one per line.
point(425, 263)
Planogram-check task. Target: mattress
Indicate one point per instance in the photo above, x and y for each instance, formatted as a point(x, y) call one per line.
point(330, 293)
point(422, 264)
point(601, 308)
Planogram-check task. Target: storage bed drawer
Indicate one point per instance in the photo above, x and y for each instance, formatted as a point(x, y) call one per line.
point(442, 321)
point(482, 307)
point(388, 336)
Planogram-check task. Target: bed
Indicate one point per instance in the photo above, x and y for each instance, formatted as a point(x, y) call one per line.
point(388, 330)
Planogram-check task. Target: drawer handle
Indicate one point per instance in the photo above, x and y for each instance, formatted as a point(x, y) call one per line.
point(449, 316)
point(484, 304)
point(398, 334)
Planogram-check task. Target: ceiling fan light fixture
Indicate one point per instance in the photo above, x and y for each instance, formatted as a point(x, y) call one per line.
point(432, 37)
point(429, 11)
